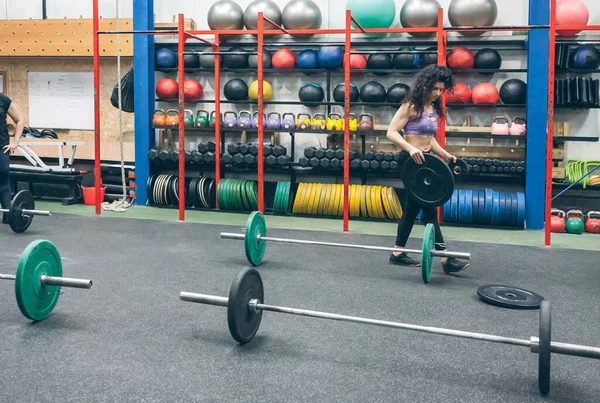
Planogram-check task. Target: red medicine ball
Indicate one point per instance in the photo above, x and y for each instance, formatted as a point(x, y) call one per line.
point(461, 58)
point(283, 59)
point(358, 62)
point(167, 88)
point(192, 89)
point(485, 93)
point(460, 94)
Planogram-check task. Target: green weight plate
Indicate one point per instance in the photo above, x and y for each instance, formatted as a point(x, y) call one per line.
point(246, 190)
point(35, 300)
point(286, 198)
point(236, 194)
point(277, 198)
point(253, 195)
point(242, 320)
point(229, 195)
point(244, 198)
point(281, 197)
point(426, 260)
point(220, 189)
point(544, 348)
point(22, 201)
point(255, 249)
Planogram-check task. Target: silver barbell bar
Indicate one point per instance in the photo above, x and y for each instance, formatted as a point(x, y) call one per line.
point(57, 281)
point(437, 253)
point(532, 344)
point(28, 212)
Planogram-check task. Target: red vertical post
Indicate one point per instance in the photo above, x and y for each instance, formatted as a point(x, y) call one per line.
point(217, 48)
point(441, 60)
point(347, 118)
point(261, 197)
point(180, 74)
point(97, 176)
point(550, 128)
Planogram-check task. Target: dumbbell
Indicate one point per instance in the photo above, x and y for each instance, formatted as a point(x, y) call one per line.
point(283, 160)
point(484, 169)
point(209, 157)
point(205, 147)
point(370, 155)
point(476, 168)
point(243, 149)
point(303, 161)
point(522, 163)
point(513, 169)
point(495, 162)
point(227, 158)
point(163, 155)
point(249, 159)
point(329, 153)
point(174, 155)
point(520, 170)
point(309, 152)
point(503, 163)
point(279, 150)
point(232, 148)
point(335, 163)
point(375, 164)
point(480, 161)
point(388, 157)
point(492, 169)
point(509, 163)
point(355, 163)
point(153, 154)
point(379, 156)
point(506, 169)
point(393, 165)
point(267, 150)
point(319, 153)
point(472, 161)
point(253, 149)
point(385, 165)
point(314, 162)
point(339, 154)
point(488, 162)
point(365, 164)
point(324, 162)
point(271, 160)
point(238, 158)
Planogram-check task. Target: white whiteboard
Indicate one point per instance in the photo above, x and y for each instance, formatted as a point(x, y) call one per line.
point(61, 100)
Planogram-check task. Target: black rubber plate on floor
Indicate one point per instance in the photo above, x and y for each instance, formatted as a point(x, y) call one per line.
point(509, 297)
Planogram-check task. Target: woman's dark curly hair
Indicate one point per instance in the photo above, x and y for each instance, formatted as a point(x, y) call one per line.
point(424, 83)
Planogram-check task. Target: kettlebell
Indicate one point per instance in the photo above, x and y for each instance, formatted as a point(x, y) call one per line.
point(213, 118)
point(159, 118)
point(319, 121)
point(274, 120)
point(255, 120)
point(303, 121)
point(353, 123)
point(230, 119)
point(245, 119)
point(188, 118)
point(592, 224)
point(290, 122)
point(557, 221)
point(500, 125)
point(366, 123)
point(575, 222)
point(172, 117)
point(201, 118)
point(335, 122)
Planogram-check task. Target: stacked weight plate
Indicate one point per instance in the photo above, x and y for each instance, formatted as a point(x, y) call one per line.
point(237, 195)
point(282, 198)
point(163, 190)
point(486, 207)
point(201, 193)
point(364, 201)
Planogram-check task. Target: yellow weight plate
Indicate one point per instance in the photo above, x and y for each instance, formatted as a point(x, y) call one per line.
point(306, 197)
point(351, 199)
point(328, 199)
point(396, 201)
point(317, 206)
point(362, 207)
point(357, 191)
point(338, 200)
point(324, 199)
point(374, 191)
point(311, 199)
point(386, 203)
point(379, 194)
point(297, 198)
point(392, 212)
point(298, 205)
point(341, 209)
point(333, 203)
point(342, 201)
point(369, 201)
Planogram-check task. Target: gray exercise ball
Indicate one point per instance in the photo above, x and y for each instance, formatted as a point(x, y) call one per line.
point(269, 9)
point(207, 61)
point(253, 60)
point(301, 14)
point(226, 14)
point(419, 14)
point(472, 13)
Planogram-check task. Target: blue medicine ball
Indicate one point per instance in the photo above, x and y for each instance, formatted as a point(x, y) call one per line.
point(586, 58)
point(165, 58)
point(331, 57)
point(307, 59)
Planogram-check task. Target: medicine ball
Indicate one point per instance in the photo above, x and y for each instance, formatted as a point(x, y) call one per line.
point(381, 61)
point(357, 62)
point(407, 61)
point(461, 58)
point(487, 59)
point(308, 59)
point(460, 94)
point(207, 61)
point(397, 92)
point(236, 90)
point(192, 89)
point(165, 58)
point(338, 93)
point(311, 94)
point(167, 88)
point(191, 61)
point(429, 58)
point(253, 60)
point(485, 93)
point(586, 58)
point(513, 91)
point(267, 91)
point(236, 61)
point(330, 57)
point(283, 59)
point(372, 92)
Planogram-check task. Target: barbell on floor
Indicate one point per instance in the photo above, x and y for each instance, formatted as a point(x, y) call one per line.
point(39, 278)
point(245, 306)
point(21, 211)
point(255, 239)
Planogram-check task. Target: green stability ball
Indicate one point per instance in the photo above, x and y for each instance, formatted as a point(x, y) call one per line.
point(373, 13)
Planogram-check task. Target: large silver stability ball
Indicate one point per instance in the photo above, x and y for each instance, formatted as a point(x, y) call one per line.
point(419, 14)
point(472, 13)
point(226, 14)
point(269, 9)
point(301, 14)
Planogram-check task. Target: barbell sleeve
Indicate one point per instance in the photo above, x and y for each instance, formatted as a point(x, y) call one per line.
point(65, 282)
point(203, 299)
point(29, 212)
point(8, 277)
point(575, 350)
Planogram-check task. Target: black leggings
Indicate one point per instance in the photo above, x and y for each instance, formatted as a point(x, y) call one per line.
point(409, 215)
point(4, 179)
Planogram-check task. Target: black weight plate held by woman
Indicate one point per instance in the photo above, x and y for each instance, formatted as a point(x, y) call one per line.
point(509, 297)
point(430, 183)
point(22, 201)
point(544, 352)
point(244, 321)
point(460, 170)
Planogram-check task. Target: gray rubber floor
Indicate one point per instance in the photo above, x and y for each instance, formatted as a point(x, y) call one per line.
point(131, 339)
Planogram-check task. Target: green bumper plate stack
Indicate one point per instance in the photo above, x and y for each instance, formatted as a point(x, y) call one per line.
point(255, 248)
point(237, 195)
point(426, 260)
point(282, 198)
point(35, 300)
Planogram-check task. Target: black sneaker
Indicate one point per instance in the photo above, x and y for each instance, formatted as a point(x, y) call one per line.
point(453, 265)
point(5, 218)
point(403, 260)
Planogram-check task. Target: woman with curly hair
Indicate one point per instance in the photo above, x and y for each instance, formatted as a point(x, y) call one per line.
point(417, 118)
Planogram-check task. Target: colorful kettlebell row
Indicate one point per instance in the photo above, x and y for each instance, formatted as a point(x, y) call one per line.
point(575, 222)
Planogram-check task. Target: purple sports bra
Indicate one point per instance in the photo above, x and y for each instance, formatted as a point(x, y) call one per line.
point(422, 126)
